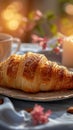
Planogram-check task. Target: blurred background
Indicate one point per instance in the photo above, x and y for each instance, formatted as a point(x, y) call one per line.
point(23, 18)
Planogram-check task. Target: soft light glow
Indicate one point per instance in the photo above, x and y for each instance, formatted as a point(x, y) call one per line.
point(12, 16)
point(13, 24)
point(18, 17)
point(69, 9)
point(7, 14)
point(16, 6)
point(66, 26)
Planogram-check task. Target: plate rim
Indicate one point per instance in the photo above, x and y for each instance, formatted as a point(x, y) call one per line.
point(31, 98)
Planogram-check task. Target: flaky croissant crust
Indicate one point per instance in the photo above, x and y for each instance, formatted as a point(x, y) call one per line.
point(33, 72)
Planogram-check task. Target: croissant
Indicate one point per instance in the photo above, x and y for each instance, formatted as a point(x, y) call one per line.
point(33, 72)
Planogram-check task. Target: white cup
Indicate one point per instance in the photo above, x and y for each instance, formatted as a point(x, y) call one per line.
point(6, 43)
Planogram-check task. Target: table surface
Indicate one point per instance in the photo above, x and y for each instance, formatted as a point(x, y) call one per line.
point(58, 108)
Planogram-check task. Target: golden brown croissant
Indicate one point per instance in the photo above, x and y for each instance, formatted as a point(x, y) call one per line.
point(33, 72)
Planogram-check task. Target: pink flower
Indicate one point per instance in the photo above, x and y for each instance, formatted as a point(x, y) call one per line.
point(25, 20)
point(39, 116)
point(35, 38)
point(60, 40)
point(37, 15)
point(43, 43)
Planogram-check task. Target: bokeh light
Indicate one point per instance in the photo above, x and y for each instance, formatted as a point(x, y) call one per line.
point(69, 9)
point(8, 14)
point(12, 16)
point(13, 24)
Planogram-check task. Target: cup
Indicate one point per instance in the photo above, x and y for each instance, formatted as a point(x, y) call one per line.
point(6, 45)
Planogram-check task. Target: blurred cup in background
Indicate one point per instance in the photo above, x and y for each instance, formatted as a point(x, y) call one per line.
point(6, 43)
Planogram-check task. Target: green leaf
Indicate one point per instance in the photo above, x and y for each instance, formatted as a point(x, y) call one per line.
point(65, 1)
point(49, 16)
point(53, 29)
point(40, 30)
point(31, 15)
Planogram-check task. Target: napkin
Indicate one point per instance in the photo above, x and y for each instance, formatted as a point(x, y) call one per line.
point(21, 120)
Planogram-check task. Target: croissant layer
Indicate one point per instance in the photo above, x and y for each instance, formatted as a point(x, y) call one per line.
point(33, 72)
